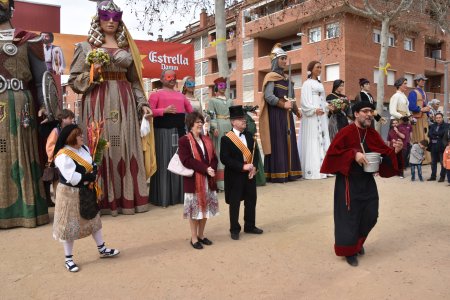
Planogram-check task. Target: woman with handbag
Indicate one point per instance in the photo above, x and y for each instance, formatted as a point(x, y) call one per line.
point(76, 174)
point(196, 152)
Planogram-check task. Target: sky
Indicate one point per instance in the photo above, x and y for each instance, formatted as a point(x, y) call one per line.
point(76, 16)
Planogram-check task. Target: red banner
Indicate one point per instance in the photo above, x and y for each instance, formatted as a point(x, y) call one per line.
point(159, 56)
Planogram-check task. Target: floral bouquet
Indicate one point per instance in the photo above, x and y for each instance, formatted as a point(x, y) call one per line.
point(97, 145)
point(338, 103)
point(97, 57)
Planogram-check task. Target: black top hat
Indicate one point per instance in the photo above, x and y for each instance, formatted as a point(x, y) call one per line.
point(236, 112)
point(62, 138)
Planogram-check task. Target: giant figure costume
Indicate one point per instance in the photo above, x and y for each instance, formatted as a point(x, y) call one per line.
point(277, 125)
point(22, 197)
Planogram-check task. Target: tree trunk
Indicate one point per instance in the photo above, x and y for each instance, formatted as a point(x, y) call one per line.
point(221, 42)
point(382, 64)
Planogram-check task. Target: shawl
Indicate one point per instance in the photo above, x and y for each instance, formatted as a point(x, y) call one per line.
point(264, 126)
point(200, 187)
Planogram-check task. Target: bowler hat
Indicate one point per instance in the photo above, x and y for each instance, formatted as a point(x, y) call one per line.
point(236, 112)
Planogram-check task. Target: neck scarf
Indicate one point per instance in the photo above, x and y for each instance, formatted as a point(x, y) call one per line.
point(200, 188)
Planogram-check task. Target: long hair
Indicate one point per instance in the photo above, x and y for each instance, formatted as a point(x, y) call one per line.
point(311, 67)
point(96, 37)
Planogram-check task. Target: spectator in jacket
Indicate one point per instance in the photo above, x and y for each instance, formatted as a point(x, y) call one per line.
point(416, 158)
point(436, 136)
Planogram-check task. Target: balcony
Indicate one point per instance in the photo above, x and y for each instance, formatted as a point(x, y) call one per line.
point(433, 66)
point(295, 56)
point(210, 51)
point(285, 21)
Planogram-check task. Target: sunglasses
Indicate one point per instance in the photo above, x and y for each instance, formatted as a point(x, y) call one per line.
point(190, 84)
point(106, 15)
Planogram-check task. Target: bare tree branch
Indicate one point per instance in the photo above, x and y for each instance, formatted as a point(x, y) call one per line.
point(361, 11)
point(403, 6)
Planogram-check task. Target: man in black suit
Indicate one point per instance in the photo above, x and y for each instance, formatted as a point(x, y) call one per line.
point(365, 96)
point(436, 134)
point(237, 154)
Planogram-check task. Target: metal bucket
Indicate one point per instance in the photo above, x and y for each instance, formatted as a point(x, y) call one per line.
point(374, 160)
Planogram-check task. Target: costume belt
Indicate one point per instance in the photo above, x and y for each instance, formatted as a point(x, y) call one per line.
point(11, 84)
point(114, 76)
point(223, 117)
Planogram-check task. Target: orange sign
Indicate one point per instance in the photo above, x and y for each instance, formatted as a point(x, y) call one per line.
point(159, 56)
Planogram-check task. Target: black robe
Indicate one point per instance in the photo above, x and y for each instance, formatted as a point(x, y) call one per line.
point(355, 192)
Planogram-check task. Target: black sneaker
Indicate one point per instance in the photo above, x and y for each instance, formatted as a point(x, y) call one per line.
point(431, 179)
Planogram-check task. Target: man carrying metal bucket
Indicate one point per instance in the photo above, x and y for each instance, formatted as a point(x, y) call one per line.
point(356, 194)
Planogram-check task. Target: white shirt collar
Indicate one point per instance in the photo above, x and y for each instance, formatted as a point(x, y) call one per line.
point(237, 132)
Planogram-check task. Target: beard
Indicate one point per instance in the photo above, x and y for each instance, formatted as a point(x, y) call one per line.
point(5, 15)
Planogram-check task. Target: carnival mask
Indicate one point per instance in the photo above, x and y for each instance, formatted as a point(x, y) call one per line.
point(190, 84)
point(106, 15)
point(222, 86)
point(170, 76)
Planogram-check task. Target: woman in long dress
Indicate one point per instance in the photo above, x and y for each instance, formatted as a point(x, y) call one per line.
point(76, 170)
point(338, 116)
point(220, 124)
point(113, 93)
point(314, 137)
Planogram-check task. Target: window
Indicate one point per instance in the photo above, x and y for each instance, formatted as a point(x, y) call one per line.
point(248, 88)
point(377, 36)
point(292, 45)
point(199, 46)
point(232, 64)
point(408, 44)
point(332, 72)
point(332, 31)
point(390, 77)
point(201, 69)
point(391, 40)
point(409, 79)
point(233, 92)
point(247, 50)
point(314, 35)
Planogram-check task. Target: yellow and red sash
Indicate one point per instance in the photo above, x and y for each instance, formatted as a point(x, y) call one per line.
point(83, 163)
point(76, 158)
point(245, 151)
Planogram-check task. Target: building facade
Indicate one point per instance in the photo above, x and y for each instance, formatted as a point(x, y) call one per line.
point(348, 46)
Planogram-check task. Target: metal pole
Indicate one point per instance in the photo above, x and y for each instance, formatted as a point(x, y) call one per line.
point(446, 91)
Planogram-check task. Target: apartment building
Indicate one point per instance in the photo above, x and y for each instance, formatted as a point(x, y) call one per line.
point(348, 46)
